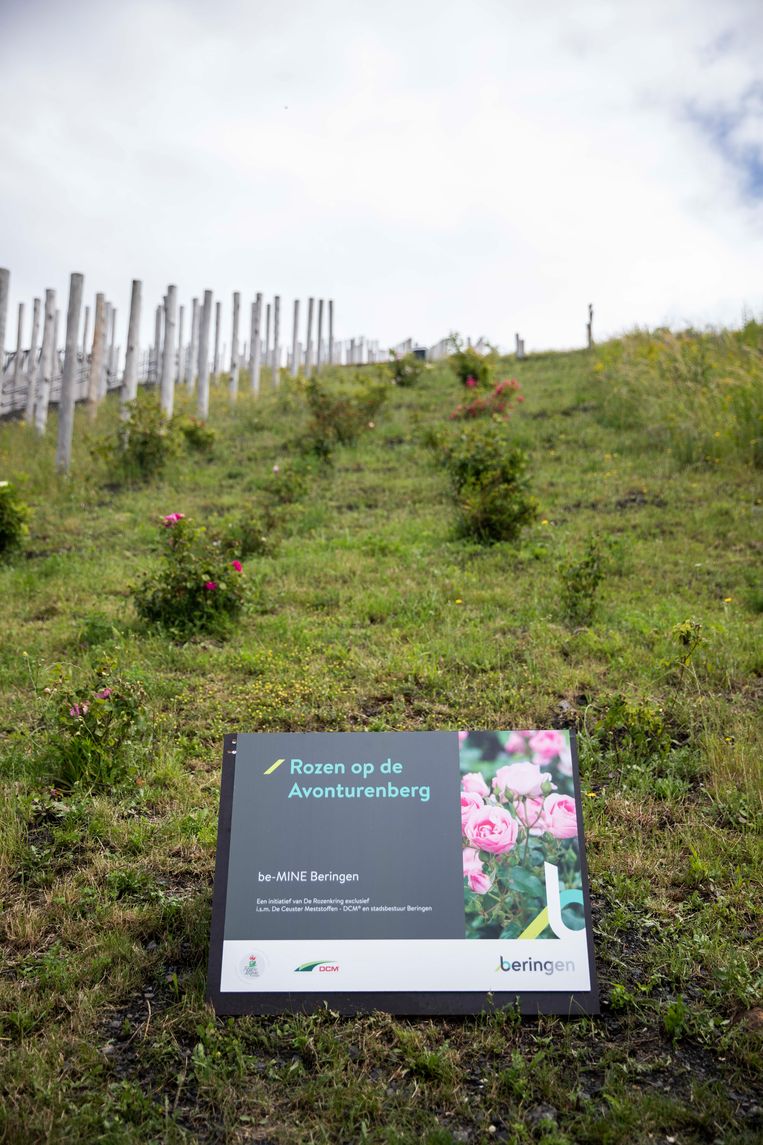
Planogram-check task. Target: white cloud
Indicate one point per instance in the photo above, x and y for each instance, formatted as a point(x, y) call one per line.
point(485, 167)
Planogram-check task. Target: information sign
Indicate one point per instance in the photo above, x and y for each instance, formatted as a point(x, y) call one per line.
point(412, 872)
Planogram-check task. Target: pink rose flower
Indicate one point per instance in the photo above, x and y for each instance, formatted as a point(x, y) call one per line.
point(516, 744)
point(470, 801)
point(471, 382)
point(237, 566)
point(491, 828)
point(546, 745)
point(475, 782)
point(103, 694)
point(79, 709)
point(562, 816)
point(564, 765)
point(172, 519)
point(474, 874)
point(210, 585)
point(520, 779)
point(479, 881)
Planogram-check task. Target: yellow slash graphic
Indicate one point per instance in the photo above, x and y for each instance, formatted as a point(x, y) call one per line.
point(273, 766)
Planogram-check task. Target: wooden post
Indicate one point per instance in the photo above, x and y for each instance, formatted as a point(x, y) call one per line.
point(233, 389)
point(105, 358)
point(255, 344)
point(589, 327)
point(331, 331)
point(202, 407)
point(167, 388)
point(157, 344)
point(276, 340)
point(295, 340)
point(85, 330)
point(319, 355)
point(216, 358)
point(112, 344)
point(66, 403)
point(179, 371)
point(130, 379)
point(31, 367)
point(96, 357)
point(309, 339)
point(45, 367)
point(193, 349)
point(17, 359)
point(266, 353)
point(5, 279)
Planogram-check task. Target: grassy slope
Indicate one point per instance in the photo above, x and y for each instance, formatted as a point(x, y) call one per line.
point(372, 616)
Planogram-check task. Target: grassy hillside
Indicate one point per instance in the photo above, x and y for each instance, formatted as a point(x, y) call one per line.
point(368, 611)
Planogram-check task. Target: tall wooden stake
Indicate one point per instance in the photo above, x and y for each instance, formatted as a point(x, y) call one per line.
point(96, 357)
point(85, 331)
point(589, 327)
point(130, 379)
point(31, 370)
point(216, 358)
point(295, 340)
point(45, 368)
point(309, 339)
point(255, 344)
point(266, 353)
point(157, 344)
point(193, 349)
point(276, 340)
point(66, 404)
point(167, 390)
point(331, 331)
point(319, 354)
point(202, 406)
point(233, 391)
point(19, 350)
point(179, 371)
point(5, 280)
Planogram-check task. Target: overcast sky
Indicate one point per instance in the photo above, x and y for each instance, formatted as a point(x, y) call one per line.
point(488, 166)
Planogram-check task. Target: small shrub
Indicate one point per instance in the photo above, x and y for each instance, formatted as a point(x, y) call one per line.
point(338, 416)
point(248, 535)
point(473, 370)
point(580, 580)
point(13, 518)
point(143, 443)
point(634, 730)
point(490, 484)
point(497, 403)
point(198, 586)
point(92, 729)
point(406, 370)
point(198, 437)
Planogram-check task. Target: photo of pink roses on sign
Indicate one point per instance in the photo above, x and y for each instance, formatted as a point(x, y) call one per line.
point(517, 813)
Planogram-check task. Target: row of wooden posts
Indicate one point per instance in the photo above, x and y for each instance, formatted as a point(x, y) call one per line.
point(88, 376)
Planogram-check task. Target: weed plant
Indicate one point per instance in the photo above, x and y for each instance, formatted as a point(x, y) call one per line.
point(13, 520)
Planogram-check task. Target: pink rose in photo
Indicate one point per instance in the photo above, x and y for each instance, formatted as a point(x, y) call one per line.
point(475, 782)
point(561, 815)
point(564, 764)
point(479, 881)
point(516, 744)
point(519, 779)
point(547, 745)
point(472, 860)
point(491, 828)
point(532, 814)
point(470, 801)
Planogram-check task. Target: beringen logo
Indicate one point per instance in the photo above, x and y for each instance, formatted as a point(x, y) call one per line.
point(535, 966)
point(326, 966)
point(252, 965)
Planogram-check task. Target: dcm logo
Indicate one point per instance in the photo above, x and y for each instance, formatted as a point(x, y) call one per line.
point(324, 967)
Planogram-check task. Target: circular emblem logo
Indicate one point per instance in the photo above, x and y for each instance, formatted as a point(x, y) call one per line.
point(252, 965)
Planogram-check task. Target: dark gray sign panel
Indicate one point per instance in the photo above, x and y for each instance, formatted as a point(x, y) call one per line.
point(413, 872)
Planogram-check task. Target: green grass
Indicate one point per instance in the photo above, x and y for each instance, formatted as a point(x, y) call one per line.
point(369, 613)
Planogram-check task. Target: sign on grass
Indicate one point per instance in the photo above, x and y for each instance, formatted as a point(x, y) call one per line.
point(413, 872)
